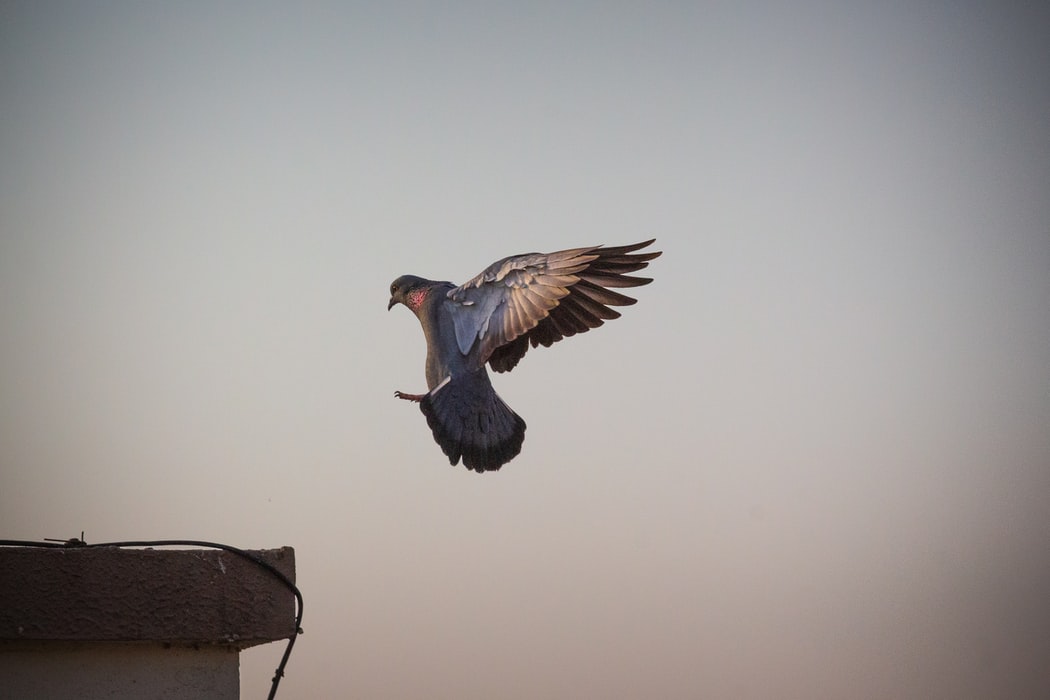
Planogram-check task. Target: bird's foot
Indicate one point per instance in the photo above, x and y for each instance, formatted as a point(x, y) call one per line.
point(409, 397)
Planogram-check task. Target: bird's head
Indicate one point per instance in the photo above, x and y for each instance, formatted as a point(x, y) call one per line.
point(408, 290)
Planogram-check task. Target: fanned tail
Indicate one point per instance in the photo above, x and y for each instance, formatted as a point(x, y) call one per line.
point(470, 421)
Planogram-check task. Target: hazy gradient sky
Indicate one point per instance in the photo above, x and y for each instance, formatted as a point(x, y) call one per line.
point(812, 462)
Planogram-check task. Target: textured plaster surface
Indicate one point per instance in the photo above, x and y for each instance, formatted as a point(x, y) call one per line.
point(117, 594)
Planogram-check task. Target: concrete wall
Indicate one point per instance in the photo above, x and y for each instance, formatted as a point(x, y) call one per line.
point(107, 670)
point(108, 622)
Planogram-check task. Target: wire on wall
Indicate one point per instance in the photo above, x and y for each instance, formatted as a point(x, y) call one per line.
point(77, 542)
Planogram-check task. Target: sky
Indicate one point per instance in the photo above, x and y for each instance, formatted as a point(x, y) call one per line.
point(812, 462)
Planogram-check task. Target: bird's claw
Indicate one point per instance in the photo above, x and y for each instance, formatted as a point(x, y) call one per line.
point(409, 397)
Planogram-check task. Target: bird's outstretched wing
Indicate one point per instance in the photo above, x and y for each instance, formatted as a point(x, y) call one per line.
point(539, 299)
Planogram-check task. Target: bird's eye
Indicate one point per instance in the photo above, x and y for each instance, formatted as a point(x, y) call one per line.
point(393, 289)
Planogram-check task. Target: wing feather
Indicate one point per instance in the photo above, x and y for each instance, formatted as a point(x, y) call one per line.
point(605, 279)
point(594, 304)
point(602, 295)
point(538, 299)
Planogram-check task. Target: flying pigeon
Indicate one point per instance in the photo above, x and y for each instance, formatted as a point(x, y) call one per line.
point(531, 299)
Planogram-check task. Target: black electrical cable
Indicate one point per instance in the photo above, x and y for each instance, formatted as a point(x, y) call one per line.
point(79, 542)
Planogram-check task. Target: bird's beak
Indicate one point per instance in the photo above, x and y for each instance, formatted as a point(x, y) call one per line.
point(391, 304)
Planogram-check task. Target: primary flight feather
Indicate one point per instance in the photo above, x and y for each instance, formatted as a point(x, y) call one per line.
point(517, 302)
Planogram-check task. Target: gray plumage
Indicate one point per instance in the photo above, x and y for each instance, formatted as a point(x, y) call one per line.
point(517, 302)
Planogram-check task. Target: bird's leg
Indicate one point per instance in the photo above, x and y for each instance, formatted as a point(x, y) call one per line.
point(409, 397)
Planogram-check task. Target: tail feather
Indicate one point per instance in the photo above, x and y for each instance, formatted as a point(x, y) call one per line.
point(470, 421)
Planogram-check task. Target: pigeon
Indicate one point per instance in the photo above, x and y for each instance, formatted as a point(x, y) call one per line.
point(518, 302)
